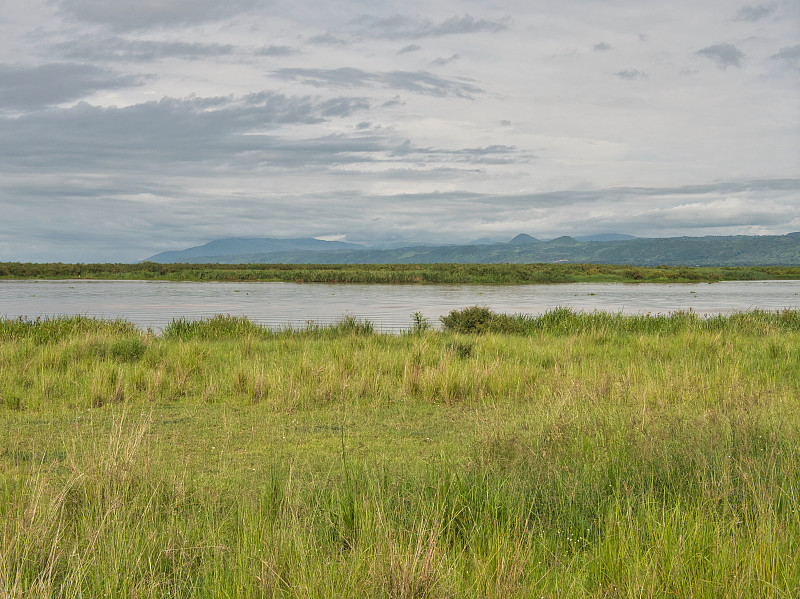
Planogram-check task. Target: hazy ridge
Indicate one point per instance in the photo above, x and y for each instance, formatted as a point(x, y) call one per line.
point(740, 250)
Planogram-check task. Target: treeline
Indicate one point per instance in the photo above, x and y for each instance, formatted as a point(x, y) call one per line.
point(396, 273)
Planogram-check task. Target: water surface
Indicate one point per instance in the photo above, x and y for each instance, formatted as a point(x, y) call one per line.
point(153, 304)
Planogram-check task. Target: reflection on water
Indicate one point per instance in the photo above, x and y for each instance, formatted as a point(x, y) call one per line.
point(153, 304)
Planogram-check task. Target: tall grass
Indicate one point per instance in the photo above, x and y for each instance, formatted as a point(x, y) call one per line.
point(44, 330)
point(506, 274)
point(480, 319)
point(240, 327)
point(588, 456)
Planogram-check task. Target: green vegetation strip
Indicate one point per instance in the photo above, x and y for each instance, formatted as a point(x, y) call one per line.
point(397, 273)
point(567, 455)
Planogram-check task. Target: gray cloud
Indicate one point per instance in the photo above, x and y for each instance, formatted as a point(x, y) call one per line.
point(725, 187)
point(327, 39)
point(419, 82)
point(790, 55)
point(275, 51)
point(602, 46)
point(725, 55)
point(755, 12)
point(631, 74)
point(117, 48)
point(494, 154)
point(54, 83)
point(440, 62)
point(185, 133)
point(135, 14)
point(396, 101)
point(403, 27)
point(410, 48)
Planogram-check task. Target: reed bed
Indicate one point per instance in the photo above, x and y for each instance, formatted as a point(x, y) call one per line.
point(572, 455)
point(489, 274)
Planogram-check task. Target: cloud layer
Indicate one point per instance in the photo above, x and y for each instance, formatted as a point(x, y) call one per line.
point(133, 127)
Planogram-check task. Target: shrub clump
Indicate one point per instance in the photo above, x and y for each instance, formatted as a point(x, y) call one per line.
point(475, 319)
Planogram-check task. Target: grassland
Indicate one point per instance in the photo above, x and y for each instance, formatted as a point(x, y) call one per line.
point(568, 455)
point(398, 273)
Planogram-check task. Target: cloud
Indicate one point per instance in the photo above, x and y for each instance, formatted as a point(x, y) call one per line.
point(755, 12)
point(403, 27)
point(724, 208)
point(117, 48)
point(98, 222)
point(419, 82)
point(631, 74)
point(440, 62)
point(494, 154)
point(720, 213)
point(239, 144)
point(187, 134)
point(32, 88)
point(140, 14)
point(327, 39)
point(725, 55)
point(410, 48)
point(790, 55)
point(275, 51)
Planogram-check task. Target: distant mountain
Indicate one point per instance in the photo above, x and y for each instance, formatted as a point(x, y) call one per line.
point(484, 241)
point(523, 239)
point(564, 240)
point(238, 246)
point(605, 237)
point(766, 250)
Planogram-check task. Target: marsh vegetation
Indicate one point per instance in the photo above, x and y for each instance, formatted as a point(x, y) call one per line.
point(565, 455)
point(399, 273)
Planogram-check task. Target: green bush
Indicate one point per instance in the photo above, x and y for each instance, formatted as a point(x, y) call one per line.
point(474, 319)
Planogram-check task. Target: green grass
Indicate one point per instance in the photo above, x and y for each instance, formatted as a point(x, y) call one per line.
point(506, 274)
point(575, 455)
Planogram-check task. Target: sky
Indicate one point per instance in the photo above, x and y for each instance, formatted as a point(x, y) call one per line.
point(130, 127)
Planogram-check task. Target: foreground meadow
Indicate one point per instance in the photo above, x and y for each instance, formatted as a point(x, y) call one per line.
point(568, 455)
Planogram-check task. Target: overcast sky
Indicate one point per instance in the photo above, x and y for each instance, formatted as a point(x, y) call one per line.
point(129, 127)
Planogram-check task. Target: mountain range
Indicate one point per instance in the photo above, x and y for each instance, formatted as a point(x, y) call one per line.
point(739, 250)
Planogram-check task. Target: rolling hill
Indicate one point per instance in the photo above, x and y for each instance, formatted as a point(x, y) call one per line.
point(740, 250)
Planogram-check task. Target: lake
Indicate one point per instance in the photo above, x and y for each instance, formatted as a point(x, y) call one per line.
point(154, 304)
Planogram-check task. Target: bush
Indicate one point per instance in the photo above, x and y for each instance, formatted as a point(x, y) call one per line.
point(475, 319)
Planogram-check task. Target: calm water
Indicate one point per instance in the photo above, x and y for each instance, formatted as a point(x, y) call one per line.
point(153, 304)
